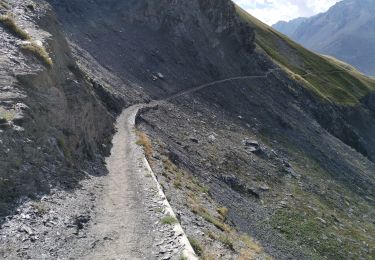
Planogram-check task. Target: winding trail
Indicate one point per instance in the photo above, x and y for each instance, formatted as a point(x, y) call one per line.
point(128, 223)
point(128, 218)
point(200, 87)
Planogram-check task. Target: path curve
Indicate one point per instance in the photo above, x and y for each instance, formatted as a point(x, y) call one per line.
point(210, 84)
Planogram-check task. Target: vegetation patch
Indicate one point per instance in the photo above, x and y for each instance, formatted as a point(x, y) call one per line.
point(169, 220)
point(223, 211)
point(7, 115)
point(196, 245)
point(328, 78)
point(64, 148)
point(39, 51)
point(202, 212)
point(145, 142)
point(326, 220)
point(9, 22)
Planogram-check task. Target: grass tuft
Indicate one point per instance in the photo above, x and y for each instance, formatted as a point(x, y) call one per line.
point(9, 22)
point(169, 220)
point(223, 211)
point(199, 210)
point(196, 245)
point(145, 142)
point(39, 51)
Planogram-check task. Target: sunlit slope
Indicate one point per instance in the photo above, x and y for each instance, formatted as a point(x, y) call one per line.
point(327, 77)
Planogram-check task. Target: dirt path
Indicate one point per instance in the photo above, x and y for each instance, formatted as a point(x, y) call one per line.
point(128, 222)
point(195, 89)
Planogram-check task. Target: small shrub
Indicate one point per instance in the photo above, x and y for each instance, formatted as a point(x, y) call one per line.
point(196, 245)
point(226, 241)
point(199, 210)
point(251, 244)
point(9, 22)
point(178, 181)
point(169, 220)
point(39, 51)
point(223, 211)
point(145, 142)
point(62, 145)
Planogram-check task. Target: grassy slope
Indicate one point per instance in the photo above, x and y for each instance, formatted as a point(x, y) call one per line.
point(324, 75)
point(330, 222)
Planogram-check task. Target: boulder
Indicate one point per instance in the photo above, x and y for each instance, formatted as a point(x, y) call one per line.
point(251, 145)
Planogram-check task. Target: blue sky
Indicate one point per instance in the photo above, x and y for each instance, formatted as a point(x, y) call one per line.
point(272, 11)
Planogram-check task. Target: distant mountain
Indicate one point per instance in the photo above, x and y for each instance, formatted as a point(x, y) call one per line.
point(290, 27)
point(346, 31)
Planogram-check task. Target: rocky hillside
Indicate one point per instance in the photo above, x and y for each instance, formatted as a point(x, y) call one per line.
point(53, 125)
point(274, 158)
point(345, 31)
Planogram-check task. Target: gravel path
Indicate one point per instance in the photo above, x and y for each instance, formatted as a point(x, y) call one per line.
point(128, 220)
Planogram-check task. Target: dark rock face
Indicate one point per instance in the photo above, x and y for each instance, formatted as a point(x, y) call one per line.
point(54, 125)
point(150, 36)
point(346, 31)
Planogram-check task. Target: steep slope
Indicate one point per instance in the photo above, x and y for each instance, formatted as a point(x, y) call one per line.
point(346, 31)
point(262, 147)
point(52, 124)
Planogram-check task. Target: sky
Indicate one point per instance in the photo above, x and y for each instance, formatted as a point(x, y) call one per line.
point(272, 11)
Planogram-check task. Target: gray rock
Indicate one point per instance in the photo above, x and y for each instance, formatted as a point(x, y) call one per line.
point(211, 138)
point(251, 145)
point(26, 230)
point(194, 139)
point(264, 187)
point(160, 76)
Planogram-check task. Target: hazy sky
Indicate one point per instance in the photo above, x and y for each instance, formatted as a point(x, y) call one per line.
point(272, 11)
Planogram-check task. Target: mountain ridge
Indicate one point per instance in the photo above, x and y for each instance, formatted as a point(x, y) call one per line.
point(345, 31)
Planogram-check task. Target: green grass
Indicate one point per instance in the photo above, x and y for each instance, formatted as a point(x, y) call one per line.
point(9, 22)
point(196, 245)
point(200, 211)
point(223, 211)
point(169, 220)
point(65, 149)
point(326, 77)
point(318, 221)
point(39, 51)
point(227, 241)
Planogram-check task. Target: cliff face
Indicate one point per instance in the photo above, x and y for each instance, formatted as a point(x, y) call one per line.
point(150, 36)
point(53, 125)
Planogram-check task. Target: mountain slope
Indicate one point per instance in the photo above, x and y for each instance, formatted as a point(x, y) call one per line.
point(262, 147)
point(346, 31)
